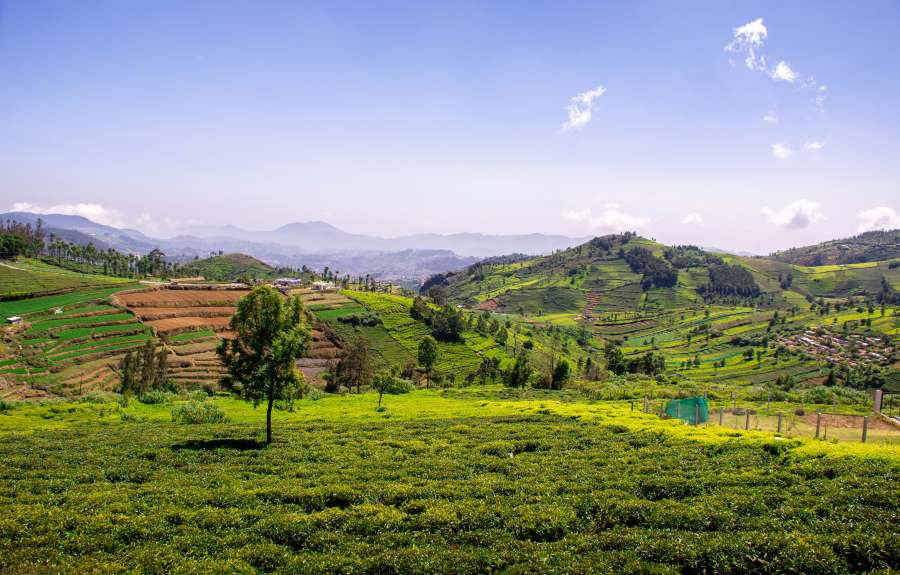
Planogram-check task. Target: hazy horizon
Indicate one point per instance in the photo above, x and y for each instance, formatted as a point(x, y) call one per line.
point(742, 127)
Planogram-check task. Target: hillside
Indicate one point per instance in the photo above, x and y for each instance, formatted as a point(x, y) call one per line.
point(706, 317)
point(229, 267)
point(22, 277)
point(866, 247)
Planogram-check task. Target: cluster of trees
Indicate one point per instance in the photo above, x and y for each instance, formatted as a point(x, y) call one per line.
point(649, 363)
point(369, 319)
point(18, 239)
point(446, 322)
point(728, 279)
point(655, 271)
point(110, 261)
point(690, 256)
point(143, 371)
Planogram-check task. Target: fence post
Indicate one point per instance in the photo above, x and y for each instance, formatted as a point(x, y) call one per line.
point(818, 423)
point(646, 405)
point(632, 406)
point(865, 427)
point(733, 402)
point(747, 419)
point(779, 422)
point(721, 414)
point(697, 414)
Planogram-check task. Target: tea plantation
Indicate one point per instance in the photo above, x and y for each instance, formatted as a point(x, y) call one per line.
point(479, 480)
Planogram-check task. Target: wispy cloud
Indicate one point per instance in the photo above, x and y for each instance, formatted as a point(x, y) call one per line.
point(797, 215)
point(104, 215)
point(93, 212)
point(748, 40)
point(693, 219)
point(581, 109)
point(610, 217)
point(878, 218)
point(783, 72)
point(813, 145)
point(782, 151)
point(771, 117)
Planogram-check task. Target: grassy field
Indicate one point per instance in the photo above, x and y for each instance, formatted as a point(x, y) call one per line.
point(27, 276)
point(480, 480)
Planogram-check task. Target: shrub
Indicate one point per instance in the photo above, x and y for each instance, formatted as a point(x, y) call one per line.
point(198, 412)
point(156, 397)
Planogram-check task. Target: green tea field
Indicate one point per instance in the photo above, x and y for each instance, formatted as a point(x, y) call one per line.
point(467, 481)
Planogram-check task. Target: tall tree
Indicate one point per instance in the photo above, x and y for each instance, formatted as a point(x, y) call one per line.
point(270, 334)
point(355, 368)
point(428, 355)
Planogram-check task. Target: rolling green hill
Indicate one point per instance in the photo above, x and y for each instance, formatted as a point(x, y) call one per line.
point(706, 317)
point(230, 267)
point(866, 247)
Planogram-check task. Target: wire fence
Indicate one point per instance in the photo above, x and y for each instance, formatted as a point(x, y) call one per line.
point(797, 422)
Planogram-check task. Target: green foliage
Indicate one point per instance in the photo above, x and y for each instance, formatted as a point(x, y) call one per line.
point(490, 494)
point(195, 412)
point(270, 335)
point(655, 271)
point(368, 319)
point(726, 279)
point(229, 267)
point(428, 353)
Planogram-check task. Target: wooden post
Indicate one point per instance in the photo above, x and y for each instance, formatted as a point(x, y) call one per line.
point(733, 402)
point(818, 423)
point(721, 414)
point(779, 422)
point(865, 428)
point(646, 405)
point(632, 406)
point(697, 414)
point(747, 418)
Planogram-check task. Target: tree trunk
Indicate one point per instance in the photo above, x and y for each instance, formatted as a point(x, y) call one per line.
point(269, 419)
point(380, 394)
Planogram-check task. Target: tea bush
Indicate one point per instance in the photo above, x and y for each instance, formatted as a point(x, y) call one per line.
point(527, 493)
point(198, 412)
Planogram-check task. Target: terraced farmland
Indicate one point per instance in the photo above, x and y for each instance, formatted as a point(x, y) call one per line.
point(456, 358)
point(190, 322)
point(32, 277)
point(68, 343)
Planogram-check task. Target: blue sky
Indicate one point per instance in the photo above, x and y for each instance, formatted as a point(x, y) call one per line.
point(394, 117)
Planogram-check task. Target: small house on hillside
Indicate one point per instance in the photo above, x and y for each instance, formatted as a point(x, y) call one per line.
point(288, 282)
point(323, 286)
point(14, 319)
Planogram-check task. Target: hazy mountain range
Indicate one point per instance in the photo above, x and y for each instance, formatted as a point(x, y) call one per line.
point(315, 244)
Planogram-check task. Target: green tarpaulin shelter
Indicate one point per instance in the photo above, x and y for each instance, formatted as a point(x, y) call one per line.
point(694, 410)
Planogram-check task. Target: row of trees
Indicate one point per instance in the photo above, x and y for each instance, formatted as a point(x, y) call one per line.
point(144, 370)
point(18, 239)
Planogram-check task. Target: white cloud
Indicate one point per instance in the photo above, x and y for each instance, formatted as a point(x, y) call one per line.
point(813, 145)
point(693, 218)
point(820, 96)
point(798, 215)
point(748, 40)
point(771, 117)
point(107, 216)
point(782, 71)
point(581, 108)
point(782, 151)
point(880, 218)
point(577, 215)
point(93, 212)
point(611, 218)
